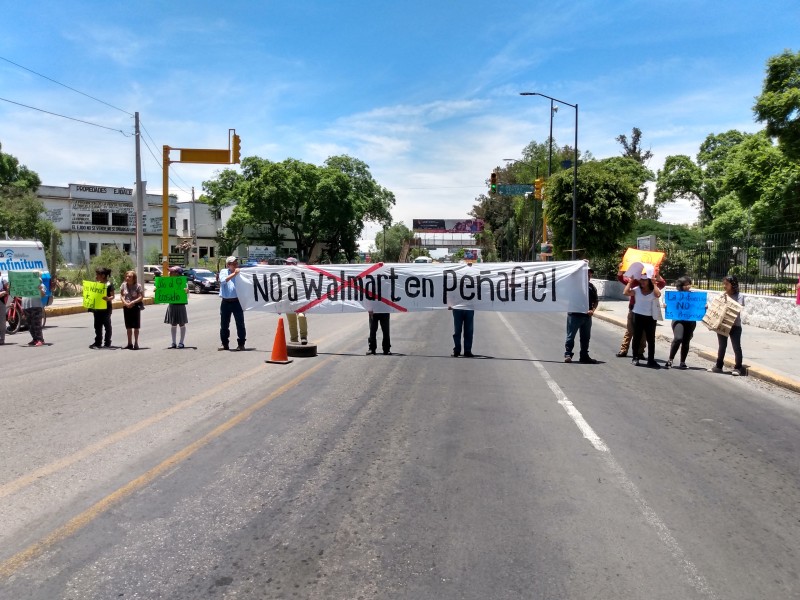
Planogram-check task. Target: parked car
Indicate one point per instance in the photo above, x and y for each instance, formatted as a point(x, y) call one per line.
point(201, 280)
point(151, 272)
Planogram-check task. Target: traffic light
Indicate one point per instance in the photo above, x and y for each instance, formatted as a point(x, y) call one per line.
point(537, 188)
point(493, 180)
point(237, 149)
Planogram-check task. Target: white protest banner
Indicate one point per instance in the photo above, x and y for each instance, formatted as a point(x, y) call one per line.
point(404, 287)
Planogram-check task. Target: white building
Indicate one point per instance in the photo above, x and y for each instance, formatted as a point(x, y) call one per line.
point(92, 217)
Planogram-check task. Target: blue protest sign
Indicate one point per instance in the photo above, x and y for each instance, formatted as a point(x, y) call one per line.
point(685, 306)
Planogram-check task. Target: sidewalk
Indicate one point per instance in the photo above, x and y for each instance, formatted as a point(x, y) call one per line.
point(768, 355)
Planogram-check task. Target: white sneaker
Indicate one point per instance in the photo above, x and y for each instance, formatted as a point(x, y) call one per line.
point(715, 370)
point(736, 372)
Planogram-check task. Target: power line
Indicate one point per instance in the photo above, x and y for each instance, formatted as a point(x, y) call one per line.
point(65, 117)
point(66, 86)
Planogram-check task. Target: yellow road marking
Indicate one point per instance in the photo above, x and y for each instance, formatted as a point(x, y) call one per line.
point(14, 563)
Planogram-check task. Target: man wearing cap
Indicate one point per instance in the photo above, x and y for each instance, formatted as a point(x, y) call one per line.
point(581, 322)
point(230, 306)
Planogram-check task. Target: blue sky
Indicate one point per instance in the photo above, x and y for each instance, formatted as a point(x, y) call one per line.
point(426, 93)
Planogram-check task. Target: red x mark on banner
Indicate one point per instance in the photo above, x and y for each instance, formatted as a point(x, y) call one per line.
point(346, 284)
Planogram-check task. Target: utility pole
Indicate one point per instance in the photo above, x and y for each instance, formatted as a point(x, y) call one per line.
point(194, 231)
point(139, 206)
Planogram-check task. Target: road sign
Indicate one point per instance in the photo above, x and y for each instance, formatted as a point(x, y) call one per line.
point(517, 189)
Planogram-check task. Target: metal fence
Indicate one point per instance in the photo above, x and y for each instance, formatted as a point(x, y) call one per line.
point(768, 264)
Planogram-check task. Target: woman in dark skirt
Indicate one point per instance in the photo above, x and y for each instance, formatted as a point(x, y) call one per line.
point(132, 295)
point(176, 314)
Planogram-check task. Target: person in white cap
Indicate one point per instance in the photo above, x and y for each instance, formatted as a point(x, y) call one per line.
point(295, 319)
point(230, 306)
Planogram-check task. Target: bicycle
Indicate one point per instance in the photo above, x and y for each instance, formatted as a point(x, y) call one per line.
point(15, 316)
point(63, 287)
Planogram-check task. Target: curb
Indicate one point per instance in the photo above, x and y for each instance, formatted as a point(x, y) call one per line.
point(754, 371)
point(74, 309)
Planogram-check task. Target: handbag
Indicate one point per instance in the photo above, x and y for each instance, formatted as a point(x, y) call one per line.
point(656, 309)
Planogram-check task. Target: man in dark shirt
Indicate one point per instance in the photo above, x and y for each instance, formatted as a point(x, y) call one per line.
point(581, 322)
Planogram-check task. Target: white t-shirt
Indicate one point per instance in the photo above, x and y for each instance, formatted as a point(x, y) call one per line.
point(644, 302)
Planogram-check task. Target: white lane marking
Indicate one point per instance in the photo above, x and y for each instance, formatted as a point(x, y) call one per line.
point(695, 579)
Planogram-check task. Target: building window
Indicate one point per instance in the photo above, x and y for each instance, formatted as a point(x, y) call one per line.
point(186, 224)
point(92, 249)
point(202, 252)
point(99, 218)
point(126, 248)
point(119, 219)
point(211, 251)
point(172, 223)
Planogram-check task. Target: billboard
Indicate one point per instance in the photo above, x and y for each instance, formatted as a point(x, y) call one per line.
point(447, 225)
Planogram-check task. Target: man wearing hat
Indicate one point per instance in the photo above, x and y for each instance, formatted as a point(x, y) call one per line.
point(581, 323)
point(230, 306)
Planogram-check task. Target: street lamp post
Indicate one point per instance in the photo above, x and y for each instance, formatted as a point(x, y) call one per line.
point(574, 165)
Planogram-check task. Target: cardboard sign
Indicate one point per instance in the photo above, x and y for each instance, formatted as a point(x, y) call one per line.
point(721, 314)
point(685, 306)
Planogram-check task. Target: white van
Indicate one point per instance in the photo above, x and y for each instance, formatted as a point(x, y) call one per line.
point(423, 260)
point(151, 272)
point(25, 255)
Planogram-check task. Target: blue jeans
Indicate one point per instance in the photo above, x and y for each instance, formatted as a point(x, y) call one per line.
point(226, 309)
point(578, 323)
point(463, 320)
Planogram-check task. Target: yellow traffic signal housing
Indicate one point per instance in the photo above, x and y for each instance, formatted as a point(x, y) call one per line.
point(237, 149)
point(537, 188)
point(493, 181)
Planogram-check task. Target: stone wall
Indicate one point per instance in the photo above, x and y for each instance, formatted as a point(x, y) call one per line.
point(766, 312)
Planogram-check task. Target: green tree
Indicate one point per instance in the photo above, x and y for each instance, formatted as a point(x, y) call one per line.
point(703, 182)
point(389, 243)
point(607, 198)
point(633, 149)
point(21, 211)
point(779, 103)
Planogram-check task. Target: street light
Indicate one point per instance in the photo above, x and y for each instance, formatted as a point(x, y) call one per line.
point(575, 162)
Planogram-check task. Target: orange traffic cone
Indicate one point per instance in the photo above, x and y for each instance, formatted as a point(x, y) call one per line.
point(279, 355)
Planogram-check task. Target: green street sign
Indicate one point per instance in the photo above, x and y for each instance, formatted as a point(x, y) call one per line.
point(517, 189)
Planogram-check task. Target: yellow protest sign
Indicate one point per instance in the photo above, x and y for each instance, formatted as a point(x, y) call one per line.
point(633, 255)
point(94, 293)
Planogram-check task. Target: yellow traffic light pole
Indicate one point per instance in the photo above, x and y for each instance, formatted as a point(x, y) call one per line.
point(192, 155)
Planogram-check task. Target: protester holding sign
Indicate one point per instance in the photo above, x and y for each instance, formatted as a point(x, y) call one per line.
point(581, 323)
point(32, 293)
point(230, 306)
point(3, 307)
point(627, 260)
point(644, 321)
point(731, 284)
point(176, 314)
point(132, 295)
point(102, 316)
point(682, 330)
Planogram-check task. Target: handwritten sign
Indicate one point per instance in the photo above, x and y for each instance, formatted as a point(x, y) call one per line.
point(633, 255)
point(24, 284)
point(171, 290)
point(94, 293)
point(685, 306)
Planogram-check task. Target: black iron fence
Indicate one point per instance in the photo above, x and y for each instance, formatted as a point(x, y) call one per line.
point(768, 264)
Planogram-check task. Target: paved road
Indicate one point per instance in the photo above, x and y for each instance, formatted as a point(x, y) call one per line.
point(196, 473)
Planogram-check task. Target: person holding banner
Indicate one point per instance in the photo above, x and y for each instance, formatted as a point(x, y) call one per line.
point(294, 320)
point(581, 323)
point(230, 306)
point(682, 331)
point(3, 307)
point(102, 316)
point(731, 285)
point(381, 319)
point(132, 295)
point(32, 305)
point(176, 314)
point(463, 319)
point(644, 323)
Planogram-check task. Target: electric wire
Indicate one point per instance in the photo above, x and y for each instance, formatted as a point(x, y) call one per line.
point(66, 86)
point(66, 117)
